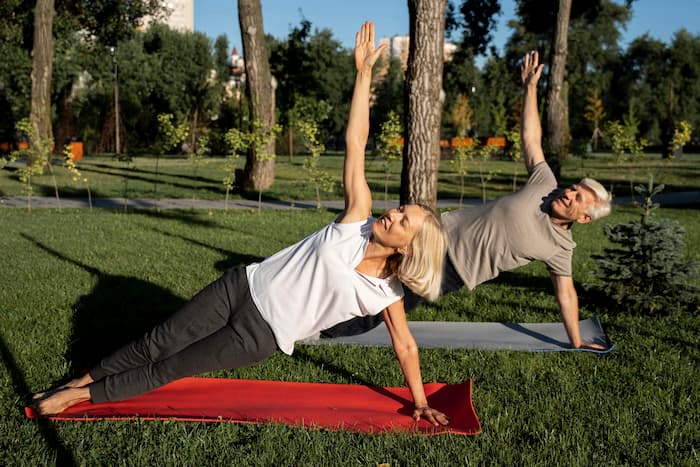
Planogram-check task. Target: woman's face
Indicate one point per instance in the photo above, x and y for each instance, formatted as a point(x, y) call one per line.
point(397, 227)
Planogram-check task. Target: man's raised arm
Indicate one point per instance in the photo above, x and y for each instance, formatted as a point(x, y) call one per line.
point(530, 127)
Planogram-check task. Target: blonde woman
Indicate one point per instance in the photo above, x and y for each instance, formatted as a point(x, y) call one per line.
point(352, 267)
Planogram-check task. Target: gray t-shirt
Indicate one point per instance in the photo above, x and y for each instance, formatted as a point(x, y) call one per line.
point(509, 232)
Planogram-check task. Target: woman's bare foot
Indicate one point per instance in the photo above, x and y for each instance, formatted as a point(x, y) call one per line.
point(60, 400)
point(74, 383)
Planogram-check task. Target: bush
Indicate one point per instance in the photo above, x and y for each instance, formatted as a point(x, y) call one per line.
point(647, 271)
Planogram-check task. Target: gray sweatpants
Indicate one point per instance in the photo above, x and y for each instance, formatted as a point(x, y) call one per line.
point(219, 328)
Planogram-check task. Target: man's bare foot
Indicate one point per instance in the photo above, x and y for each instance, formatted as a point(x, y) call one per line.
point(60, 400)
point(74, 383)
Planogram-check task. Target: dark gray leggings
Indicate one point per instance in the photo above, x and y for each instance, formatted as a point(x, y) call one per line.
point(219, 328)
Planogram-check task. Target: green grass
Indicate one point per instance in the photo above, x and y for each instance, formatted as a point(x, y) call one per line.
point(176, 177)
point(76, 284)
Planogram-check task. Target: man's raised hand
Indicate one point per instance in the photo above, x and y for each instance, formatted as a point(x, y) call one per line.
point(531, 68)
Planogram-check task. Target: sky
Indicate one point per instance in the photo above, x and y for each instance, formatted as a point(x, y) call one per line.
point(659, 18)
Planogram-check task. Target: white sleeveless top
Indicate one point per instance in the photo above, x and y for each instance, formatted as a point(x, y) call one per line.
point(312, 285)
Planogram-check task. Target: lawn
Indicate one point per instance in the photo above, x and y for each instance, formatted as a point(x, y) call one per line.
point(78, 283)
point(177, 177)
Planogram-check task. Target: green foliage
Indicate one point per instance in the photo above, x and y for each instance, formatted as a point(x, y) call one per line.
point(623, 140)
point(172, 136)
point(460, 162)
point(36, 159)
point(681, 135)
point(388, 92)
point(236, 144)
point(196, 157)
point(475, 19)
point(647, 271)
point(257, 141)
point(390, 148)
point(499, 114)
point(514, 150)
point(322, 180)
point(310, 63)
point(76, 175)
point(594, 114)
point(486, 171)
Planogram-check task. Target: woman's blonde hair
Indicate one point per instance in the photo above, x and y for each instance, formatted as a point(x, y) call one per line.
point(421, 268)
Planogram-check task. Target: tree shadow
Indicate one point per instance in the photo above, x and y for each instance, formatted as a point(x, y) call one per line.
point(232, 258)
point(63, 455)
point(189, 217)
point(116, 311)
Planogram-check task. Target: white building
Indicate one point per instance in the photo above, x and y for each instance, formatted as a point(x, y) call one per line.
point(178, 14)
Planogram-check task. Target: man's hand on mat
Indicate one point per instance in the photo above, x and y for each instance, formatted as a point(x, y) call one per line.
point(433, 416)
point(588, 346)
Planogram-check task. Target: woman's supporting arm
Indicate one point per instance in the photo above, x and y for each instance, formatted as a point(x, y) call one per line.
point(406, 352)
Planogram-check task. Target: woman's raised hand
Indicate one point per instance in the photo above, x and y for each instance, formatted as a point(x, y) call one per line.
point(365, 53)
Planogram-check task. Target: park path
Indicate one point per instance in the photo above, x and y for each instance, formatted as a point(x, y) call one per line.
point(689, 199)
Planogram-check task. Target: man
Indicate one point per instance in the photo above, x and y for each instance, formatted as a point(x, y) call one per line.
point(532, 224)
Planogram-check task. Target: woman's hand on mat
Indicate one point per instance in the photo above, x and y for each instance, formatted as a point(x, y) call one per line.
point(365, 52)
point(433, 416)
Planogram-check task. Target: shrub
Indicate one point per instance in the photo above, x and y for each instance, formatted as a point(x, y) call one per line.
point(647, 270)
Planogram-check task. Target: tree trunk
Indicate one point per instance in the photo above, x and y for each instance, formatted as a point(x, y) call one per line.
point(423, 104)
point(558, 135)
point(64, 125)
point(42, 62)
point(259, 174)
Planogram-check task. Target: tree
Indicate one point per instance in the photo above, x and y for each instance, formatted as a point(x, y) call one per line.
point(50, 32)
point(421, 155)
point(646, 269)
point(593, 31)
point(16, 64)
point(388, 93)
point(259, 174)
point(594, 114)
point(558, 134)
point(312, 66)
point(476, 19)
point(42, 62)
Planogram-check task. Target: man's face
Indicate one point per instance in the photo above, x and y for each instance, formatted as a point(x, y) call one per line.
point(571, 205)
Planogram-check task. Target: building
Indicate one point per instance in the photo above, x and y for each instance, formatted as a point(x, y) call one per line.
point(178, 14)
point(398, 48)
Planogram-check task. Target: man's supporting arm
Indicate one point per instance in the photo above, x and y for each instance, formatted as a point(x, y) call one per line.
point(567, 298)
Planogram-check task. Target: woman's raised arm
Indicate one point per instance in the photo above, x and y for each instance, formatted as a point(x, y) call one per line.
point(358, 198)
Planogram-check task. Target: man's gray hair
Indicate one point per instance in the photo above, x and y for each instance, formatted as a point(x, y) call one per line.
point(602, 206)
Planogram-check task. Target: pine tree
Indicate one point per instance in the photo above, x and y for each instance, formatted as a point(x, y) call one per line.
point(647, 270)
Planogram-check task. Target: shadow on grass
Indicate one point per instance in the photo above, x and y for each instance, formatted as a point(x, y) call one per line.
point(524, 281)
point(116, 311)
point(232, 259)
point(189, 217)
point(63, 455)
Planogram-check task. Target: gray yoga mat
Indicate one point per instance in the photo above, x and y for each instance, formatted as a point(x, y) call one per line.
point(533, 337)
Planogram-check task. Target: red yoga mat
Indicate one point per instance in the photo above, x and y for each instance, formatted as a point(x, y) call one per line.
point(344, 407)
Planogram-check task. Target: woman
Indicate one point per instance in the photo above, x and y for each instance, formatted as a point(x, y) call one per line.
point(351, 267)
